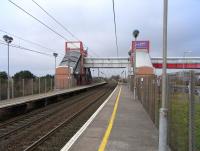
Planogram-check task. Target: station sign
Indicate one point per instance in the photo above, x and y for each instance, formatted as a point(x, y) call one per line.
point(140, 45)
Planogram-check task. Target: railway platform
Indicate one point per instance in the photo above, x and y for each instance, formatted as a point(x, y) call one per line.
point(32, 98)
point(120, 124)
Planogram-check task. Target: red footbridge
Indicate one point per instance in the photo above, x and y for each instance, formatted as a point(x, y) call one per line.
point(76, 64)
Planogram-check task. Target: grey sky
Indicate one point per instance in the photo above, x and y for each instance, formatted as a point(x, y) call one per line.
point(92, 22)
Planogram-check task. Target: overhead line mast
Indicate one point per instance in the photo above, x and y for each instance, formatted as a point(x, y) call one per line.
point(114, 17)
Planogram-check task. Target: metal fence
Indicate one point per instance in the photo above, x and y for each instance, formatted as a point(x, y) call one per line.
point(65, 83)
point(183, 104)
point(149, 94)
point(24, 87)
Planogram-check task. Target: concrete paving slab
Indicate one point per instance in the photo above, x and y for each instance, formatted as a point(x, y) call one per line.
point(92, 136)
point(133, 130)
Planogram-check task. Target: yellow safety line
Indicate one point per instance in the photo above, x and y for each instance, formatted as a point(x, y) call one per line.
point(109, 128)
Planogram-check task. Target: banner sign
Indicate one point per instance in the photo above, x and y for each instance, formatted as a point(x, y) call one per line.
point(140, 45)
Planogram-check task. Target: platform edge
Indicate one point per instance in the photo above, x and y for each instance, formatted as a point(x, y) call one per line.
point(69, 144)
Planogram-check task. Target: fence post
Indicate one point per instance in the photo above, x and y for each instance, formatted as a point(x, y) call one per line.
point(168, 92)
point(32, 86)
point(64, 84)
point(191, 112)
point(0, 89)
point(23, 87)
point(12, 88)
point(45, 85)
point(39, 85)
point(69, 81)
point(51, 85)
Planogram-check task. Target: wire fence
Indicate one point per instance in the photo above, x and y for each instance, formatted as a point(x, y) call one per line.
point(183, 106)
point(149, 94)
point(25, 87)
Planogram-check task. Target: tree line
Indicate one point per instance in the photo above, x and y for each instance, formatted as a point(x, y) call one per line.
point(25, 74)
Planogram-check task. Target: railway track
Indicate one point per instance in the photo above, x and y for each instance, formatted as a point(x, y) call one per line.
point(30, 132)
point(34, 112)
point(12, 126)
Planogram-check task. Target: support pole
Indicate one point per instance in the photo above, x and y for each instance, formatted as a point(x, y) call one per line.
point(0, 90)
point(163, 110)
point(98, 73)
point(51, 84)
point(8, 40)
point(134, 70)
point(68, 71)
point(191, 146)
point(32, 83)
point(55, 55)
point(23, 87)
point(55, 75)
point(12, 88)
point(8, 88)
point(135, 35)
point(39, 85)
point(45, 85)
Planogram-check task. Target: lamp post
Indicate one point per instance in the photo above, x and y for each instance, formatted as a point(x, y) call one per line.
point(129, 70)
point(8, 40)
point(69, 70)
point(102, 74)
point(98, 73)
point(164, 109)
point(55, 55)
point(135, 35)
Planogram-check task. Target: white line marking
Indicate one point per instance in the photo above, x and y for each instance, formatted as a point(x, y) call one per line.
point(83, 128)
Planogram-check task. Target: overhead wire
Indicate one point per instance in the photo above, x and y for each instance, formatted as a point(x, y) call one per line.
point(28, 49)
point(38, 20)
point(31, 42)
point(115, 26)
point(59, 23)
point(41, 22)
point(63, 37)
point(54, 31)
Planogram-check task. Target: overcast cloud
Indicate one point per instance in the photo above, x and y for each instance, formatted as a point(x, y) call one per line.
point(92, 22)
